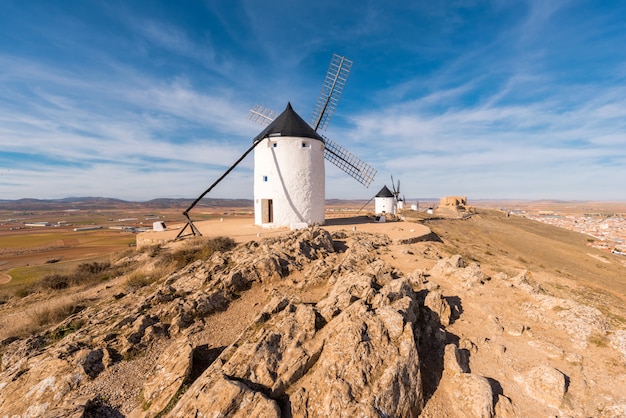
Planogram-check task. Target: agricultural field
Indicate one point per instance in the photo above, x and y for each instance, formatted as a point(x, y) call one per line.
point(70, 237)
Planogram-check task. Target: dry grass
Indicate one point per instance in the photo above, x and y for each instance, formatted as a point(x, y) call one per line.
point(53, 313)
point(38, 317)
point(138, 279)
point(168, 262)
point(88, 273)
point(195, 249)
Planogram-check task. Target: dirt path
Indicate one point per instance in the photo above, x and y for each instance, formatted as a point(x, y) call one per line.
point(4, 278)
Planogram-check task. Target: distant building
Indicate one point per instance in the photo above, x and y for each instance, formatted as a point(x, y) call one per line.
point(454, 201)
point(37, 224)
point(159, 226)
point(384, 202)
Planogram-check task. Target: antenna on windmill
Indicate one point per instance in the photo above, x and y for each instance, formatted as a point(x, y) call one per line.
point(332, 88)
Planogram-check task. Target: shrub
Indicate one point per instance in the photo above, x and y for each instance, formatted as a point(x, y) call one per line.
point(151, 250)
point(136, 280)
point(197, 249)
point(91, 269)
point(54, 282)
point(61, 332)
point(55, 313)
point(85, 273)
point(220, 244)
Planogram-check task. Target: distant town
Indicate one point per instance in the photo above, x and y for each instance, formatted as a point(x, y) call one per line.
point(606, 231)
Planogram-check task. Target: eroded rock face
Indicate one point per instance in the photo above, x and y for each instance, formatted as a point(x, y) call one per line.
point(362, 348)
point(361, 359)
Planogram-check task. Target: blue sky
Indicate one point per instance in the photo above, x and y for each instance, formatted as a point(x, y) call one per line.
point(145, 99)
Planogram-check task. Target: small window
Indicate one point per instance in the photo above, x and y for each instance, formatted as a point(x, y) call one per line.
point(275, 144)
point(264, 178)
point(306, 145)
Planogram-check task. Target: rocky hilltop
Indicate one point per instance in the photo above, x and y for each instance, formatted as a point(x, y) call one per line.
point(318, 324)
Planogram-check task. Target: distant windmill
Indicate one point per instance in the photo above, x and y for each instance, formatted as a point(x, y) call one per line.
point(289, 176)
point(396, 193)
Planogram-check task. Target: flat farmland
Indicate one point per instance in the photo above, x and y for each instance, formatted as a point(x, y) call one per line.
point(31, 252)
point(39, 245)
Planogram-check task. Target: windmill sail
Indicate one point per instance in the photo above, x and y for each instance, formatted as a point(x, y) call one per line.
point(262, 115)
point(332, 87)
point(348, 162)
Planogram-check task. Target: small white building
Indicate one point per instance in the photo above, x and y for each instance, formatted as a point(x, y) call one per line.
point(159, 226)
point(384, 202)
point(289, 176)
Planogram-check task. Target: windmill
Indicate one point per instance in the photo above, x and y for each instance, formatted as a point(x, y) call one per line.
point(298, 191)
point(289, 175)
point(396, 193)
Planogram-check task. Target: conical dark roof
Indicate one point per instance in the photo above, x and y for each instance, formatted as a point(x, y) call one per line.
point(384, 192)
point(289, 123)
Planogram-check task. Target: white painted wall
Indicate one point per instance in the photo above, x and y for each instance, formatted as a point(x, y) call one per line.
point(384, 205)
point(293, 176)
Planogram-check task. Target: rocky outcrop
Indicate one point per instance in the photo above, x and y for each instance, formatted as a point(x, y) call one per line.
point(354, 356)
point(545, 384)
point(470, 393)
point(467, 275)
point(366, 309)
point(373, 342)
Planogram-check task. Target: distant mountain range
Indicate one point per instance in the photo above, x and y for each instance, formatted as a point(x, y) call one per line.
point(91, 203)
point(110, 203)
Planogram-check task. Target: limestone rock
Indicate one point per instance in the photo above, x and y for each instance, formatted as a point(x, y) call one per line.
point(505, 408)
point(455, 361)
point(439, 306)
point(550, 350)
point(91, 362)
point(546, 385)
point(618, 341)
point(525, 282)
point(472, 395)
point(227, 397)
point(170, 372)
point(360, 361)
point(468, 275)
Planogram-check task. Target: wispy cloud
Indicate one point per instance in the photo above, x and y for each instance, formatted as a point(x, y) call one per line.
point(489, 99)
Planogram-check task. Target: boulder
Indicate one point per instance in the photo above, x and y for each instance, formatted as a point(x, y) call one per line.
point(467, 275)
point(439, 307)
point(170, 372)
point(470, 393)
point(545, 384)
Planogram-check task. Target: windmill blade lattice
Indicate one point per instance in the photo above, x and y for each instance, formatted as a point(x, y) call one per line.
point(348, 162)
point(262, 115)
point(332, 87)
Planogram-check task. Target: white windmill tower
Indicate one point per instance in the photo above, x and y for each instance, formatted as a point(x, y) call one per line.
point(289, 175)
point(289, 180)
point(384, 202)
